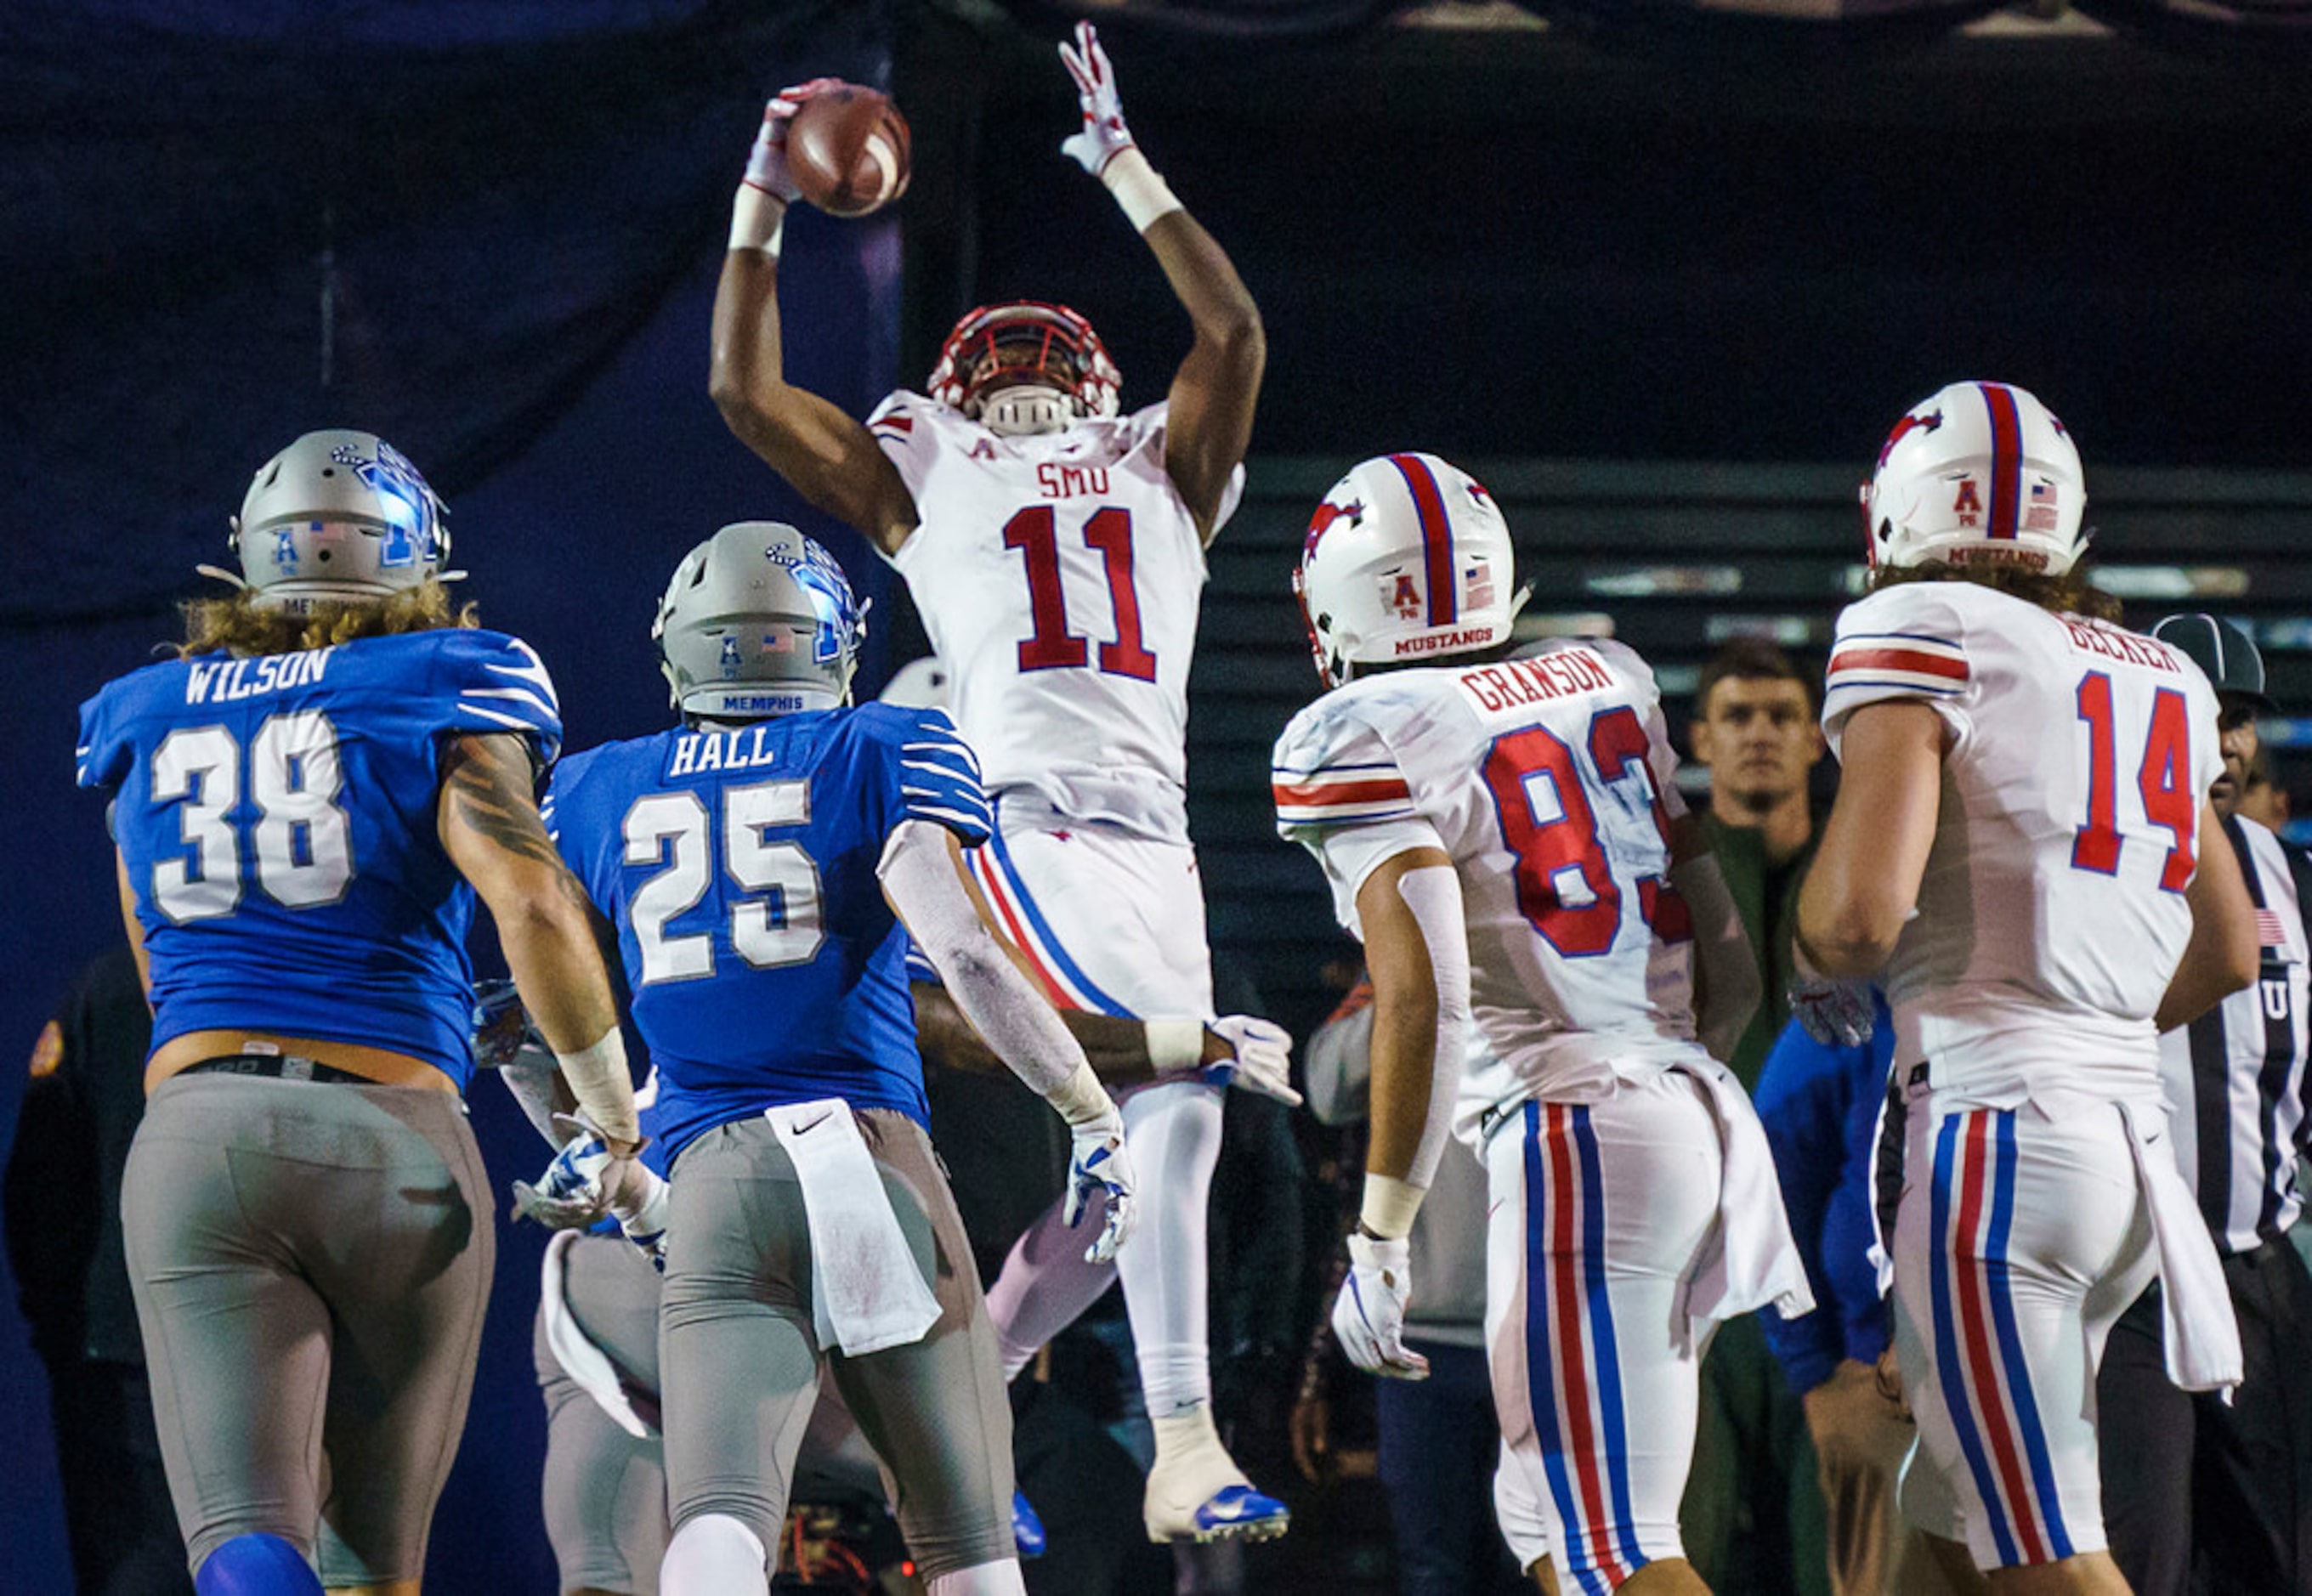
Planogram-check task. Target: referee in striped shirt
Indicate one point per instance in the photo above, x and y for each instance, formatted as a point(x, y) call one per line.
point(2199, 1497)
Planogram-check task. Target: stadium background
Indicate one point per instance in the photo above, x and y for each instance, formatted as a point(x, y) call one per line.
point(1661, 275)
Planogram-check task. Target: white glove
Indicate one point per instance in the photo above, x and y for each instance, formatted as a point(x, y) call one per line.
point(1261, 1062)
point(586, 1180)
point(1097, 1166)
point(1834, 1013)
point(766, 163)
point(1104, 136)
point(1369, 1315)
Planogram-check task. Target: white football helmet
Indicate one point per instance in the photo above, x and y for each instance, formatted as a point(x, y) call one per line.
point(759, 620)
point(338, 515)
point(1025, 368)
point(1980, 472)
point(1407, 559)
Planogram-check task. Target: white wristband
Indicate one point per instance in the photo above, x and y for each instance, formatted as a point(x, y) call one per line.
point(1080, 1100)
point(1143, 195)
point(1175, 1045)
point(599, 1079)
point(758, 219)
point(1389, 1206)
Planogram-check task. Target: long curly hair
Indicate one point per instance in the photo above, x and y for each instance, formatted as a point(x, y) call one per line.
point(2068, 594)
point(236, 625)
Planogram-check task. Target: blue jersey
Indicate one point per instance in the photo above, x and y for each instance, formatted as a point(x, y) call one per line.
point(277, 819)
point(739, 867)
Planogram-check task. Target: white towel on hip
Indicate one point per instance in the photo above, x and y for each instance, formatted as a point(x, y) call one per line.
point(1755, 1261)
point(2203, 1336)
point(588, 1365)
point(867, 1291)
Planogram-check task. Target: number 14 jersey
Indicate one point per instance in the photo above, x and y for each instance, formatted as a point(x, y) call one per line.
point(2052, 913)
point(1548, 778)
point(1059, 576)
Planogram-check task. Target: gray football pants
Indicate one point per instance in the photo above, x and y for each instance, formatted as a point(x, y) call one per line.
point(310, 1263)
point(739, 1359)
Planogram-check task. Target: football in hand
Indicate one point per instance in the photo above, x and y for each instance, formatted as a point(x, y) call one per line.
point(847, 151)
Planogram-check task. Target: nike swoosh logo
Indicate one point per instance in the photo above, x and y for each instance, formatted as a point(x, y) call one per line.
point(814, 1124)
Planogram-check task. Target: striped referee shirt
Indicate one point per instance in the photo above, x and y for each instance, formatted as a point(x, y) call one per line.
point(2235, 1079)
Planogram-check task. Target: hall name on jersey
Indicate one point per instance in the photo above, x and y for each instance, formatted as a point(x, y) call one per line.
point(1561, 674)
point(231, 679)
point(2113, 643)
point(738, 749)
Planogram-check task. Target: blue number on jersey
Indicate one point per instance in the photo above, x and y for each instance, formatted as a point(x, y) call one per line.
point(739, 866)
point(276, 815)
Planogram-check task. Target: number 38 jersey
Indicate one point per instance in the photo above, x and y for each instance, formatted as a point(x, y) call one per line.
point(1548, 778)
point(1059, 576)
point(276, 815)
point(2052, 913)
point(739, 864)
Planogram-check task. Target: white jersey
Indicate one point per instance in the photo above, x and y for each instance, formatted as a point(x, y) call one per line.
point(1059, 576)
point(2051, 913)
point(1549, 780)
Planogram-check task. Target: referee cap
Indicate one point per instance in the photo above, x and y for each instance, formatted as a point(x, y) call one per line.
point(2223, 651)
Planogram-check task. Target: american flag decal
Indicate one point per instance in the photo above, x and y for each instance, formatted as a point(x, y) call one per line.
point(2268, 929)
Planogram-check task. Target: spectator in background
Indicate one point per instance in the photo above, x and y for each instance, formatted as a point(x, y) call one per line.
point(1819, 1104)
point(1753, 1518)
point(2200, 1494)
point(80, 1112)
point(1438, 1437)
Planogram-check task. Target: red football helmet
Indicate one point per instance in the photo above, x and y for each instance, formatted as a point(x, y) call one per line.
point(1026, 344)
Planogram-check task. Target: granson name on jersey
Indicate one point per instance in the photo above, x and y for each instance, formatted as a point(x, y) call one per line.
point(227, 680)
point(1562, 673)
point(2111, 642)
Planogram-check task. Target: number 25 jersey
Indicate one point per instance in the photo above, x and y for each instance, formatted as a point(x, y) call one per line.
point(2051, 913)
point(1548, 778)
point(1059, 576)
point(276, 815)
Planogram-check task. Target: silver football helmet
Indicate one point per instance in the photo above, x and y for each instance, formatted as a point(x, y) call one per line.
point(758, 620)
point(338, 515)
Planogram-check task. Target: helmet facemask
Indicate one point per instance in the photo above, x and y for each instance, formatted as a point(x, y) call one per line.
point(1025, 368)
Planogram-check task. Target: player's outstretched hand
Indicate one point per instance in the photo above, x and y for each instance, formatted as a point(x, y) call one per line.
point(766, 163)
point(1104, 136)
point(1369, 1315)
point(1834, 1013)
point(1260, 1057)
point(1097, 1166)
point(584, 1182)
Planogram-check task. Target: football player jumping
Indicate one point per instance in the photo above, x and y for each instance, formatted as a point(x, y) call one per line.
point(1055, 549)
point(2022, 838)
point(1498, 828)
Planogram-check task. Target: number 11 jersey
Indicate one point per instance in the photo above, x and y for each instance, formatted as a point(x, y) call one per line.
point(2052, 913)
point(1549, 780)
point(1059, 576)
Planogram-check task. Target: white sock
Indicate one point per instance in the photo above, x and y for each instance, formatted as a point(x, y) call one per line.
point(988, 1579)
point(714, 1555)
point(1044, 1287)
point(1174, 1132)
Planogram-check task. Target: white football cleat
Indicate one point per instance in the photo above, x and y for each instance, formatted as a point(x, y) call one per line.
point(1195, 1491)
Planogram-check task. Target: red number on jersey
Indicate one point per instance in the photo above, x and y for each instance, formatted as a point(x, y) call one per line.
point(2162, 780)
point(1618, 747)
point(1034, 532)
point(1549, 848)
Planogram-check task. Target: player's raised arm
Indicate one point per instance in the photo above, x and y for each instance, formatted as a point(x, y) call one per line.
point(829, 457)
point(490, 828)
point(1218, 385)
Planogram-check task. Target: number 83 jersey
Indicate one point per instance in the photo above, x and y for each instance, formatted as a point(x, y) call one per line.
point(739, 865)
point(277, 817)
point(2052, 911)
point(1059, 576)
point(1548, 778)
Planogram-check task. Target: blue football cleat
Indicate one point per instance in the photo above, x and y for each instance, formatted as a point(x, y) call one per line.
point(1026, 1530)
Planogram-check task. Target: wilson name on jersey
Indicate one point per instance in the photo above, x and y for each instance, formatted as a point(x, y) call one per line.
point(277, 819)
point(1059, 576)
point(1549, 780)
point(2052, 913)
point(739, 864)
